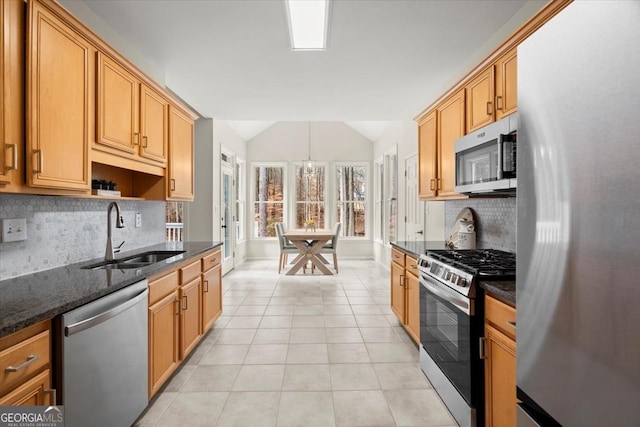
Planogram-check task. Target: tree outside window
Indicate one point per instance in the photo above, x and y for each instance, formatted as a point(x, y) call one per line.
point(351, 193)
point(269, 199)
point(310, 195)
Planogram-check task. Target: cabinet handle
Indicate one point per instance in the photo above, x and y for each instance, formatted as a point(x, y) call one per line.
point(137, 138)
point(30, 359)
point(483, 354)
point(14, 166)
point(512, 324)
point(439, 186)
point(144, 141)
point(206, 286)
point(38, 153)
point(489, 108)
point(176, 304)
point(402, 280)
point(499, 103)
point(173, 184)
point(432, 183)
point(185, 300)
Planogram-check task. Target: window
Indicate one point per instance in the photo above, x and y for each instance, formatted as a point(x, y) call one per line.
point(174, 212)
point(351, 198)
point(391, 194)
point(269, 197)
point(240, 201)
point(379, 218)
point(310, 195)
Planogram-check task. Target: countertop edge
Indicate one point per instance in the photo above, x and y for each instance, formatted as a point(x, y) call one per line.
point(504, 291)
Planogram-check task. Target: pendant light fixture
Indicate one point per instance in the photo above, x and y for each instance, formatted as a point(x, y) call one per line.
point(309, 166)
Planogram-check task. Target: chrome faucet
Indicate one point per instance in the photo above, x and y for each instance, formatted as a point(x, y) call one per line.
point(119, 224)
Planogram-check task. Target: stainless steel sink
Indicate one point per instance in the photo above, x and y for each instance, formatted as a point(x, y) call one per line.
point(136, 261)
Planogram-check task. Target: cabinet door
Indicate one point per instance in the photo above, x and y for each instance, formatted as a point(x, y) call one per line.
point(397, 291)
point(11, 91)
point(154, 124)
point(211, 297)
point(480, 93)
point(190, 316)
point(412, 289)
point(450, 125)
point(117, 106)
point(31, 393)
point(500, 379)
point(58, 92)
point(163, 340)
point(427, 143)
point(507, 84)
point(180, 156)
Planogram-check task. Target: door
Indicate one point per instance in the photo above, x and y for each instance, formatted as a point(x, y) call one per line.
point(227, 218)
point(414, 209)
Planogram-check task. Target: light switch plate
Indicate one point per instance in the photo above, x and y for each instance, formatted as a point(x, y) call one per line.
point(138, 220)
point(14, 230)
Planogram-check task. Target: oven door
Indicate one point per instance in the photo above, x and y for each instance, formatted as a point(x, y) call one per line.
point(447, 334)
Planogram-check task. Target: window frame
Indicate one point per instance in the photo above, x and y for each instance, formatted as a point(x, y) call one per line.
point(241, 200)
point(285, 191)
point(388, 193)
point(367, 201)
point(378, 203)
point(327, 190)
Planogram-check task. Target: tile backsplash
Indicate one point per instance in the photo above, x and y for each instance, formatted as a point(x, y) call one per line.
point(64, 230)
point(495, 221)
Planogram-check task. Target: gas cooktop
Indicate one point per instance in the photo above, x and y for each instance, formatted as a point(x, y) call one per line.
point(485, 263)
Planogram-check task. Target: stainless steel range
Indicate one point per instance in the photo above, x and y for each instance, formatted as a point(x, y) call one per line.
point(451, 324)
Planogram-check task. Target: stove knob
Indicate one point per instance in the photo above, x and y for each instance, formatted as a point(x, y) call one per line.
point(454, 278)
point(463, 282)
point(444, 273)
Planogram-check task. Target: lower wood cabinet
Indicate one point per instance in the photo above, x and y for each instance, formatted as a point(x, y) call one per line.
point(184, 303)
point(500, 364)
point(25, 363)
point(405, 292)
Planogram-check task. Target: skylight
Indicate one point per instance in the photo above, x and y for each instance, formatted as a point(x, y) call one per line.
point(308, 23)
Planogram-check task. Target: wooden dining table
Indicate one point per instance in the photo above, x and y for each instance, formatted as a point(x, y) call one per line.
point(309, 244)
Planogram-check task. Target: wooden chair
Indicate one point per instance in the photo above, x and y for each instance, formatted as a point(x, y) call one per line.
point(285, 247)
point(332, 246)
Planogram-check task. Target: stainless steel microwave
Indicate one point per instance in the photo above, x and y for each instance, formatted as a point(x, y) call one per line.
point(486, 159)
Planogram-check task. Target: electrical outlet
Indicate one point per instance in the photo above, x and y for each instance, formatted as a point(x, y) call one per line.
point(138, 220)
point(14, 230)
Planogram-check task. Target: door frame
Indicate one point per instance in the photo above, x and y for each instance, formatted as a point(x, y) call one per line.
point(421, 204)
point(228, 167)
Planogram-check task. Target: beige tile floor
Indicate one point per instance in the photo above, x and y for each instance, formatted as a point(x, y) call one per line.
point(304, 350)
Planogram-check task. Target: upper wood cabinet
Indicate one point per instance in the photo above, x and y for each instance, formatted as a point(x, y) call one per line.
point(427, 156)
point(132, 118)
point(450, 126)
point(480, 103)
point(59, 94)
point(180, 171)
point(11, 91)
point(506, 70)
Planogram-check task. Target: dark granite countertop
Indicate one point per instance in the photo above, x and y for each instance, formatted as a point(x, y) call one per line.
point(416, 248)
point(29, 299)
point(504, 290)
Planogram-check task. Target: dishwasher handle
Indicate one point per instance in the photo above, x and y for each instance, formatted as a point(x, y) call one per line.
point(104, 316)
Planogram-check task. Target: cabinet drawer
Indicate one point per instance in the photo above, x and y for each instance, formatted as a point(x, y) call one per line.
point(189, 272)
point(211, 260)
point(21, 361)
point(163, 286)
point(397, 256)
point(411, 264)
point(501, 316)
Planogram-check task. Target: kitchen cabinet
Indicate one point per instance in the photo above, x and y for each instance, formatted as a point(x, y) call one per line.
point(427, 156)
point(25, 361)
point(180, 172)
point(132, 118)
point(190, 293)
point(405, 292)
point(11, 91)
point(59, 95)
point(506, 75)
point(211, 289)
point(480, 100)
point(164, 330)
point(500, 363)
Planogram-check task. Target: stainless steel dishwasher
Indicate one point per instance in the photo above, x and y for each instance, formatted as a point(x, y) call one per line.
point(103, 376)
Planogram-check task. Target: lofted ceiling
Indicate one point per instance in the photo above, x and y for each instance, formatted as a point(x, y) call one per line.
point(385, 60)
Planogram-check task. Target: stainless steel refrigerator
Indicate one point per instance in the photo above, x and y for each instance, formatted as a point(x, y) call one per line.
point(578, 204)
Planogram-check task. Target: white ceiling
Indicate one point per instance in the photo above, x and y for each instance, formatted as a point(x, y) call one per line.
point(385, 60)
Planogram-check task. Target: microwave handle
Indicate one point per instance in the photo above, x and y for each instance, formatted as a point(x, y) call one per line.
point(500, 174)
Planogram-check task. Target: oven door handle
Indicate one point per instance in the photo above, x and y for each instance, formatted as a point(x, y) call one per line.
point(451, 297)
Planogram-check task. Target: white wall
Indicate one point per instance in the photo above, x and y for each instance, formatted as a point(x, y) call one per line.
point(289, 142)
point(404, 136)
